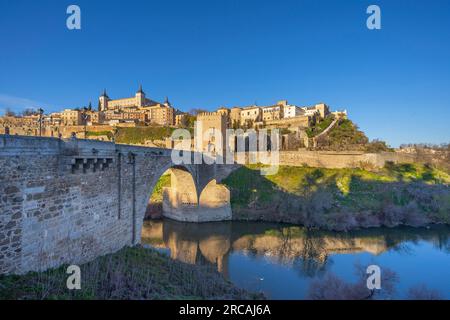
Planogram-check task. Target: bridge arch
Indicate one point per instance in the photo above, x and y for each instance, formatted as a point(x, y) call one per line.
point(93, 199)
point(188, 198)
point(182, 191)
point(214, 200)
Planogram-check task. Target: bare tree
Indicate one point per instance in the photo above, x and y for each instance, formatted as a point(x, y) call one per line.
point(331, 287)
point(9, 113)
point(196, 111)
point(30, 112)
point(422, 292)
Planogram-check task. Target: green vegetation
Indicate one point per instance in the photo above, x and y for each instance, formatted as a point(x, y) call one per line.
point(154, 208)
point(188, 121)
point(376, 146)
point(157, 195)
point(342, 199)
point(346, 133)
point(319, 127)
point(139, 135)
point(107, 133)
point(131, 273)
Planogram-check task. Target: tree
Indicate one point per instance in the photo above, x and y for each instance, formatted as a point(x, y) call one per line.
point(188, 121)
point(236, 125)
point(422, 292)
point(196, 111)
point(376, 146)
point(331, 287)
point(9, 113)
point(29, 112)
point(248, 124)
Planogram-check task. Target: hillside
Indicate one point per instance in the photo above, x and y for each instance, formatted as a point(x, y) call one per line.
point(139, 135)
point(132, 273)
point(342, 199)
point(343, 136)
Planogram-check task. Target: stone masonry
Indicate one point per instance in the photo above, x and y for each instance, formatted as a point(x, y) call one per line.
point(69, 201)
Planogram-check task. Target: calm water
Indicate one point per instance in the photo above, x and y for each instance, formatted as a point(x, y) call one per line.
point(282, 260)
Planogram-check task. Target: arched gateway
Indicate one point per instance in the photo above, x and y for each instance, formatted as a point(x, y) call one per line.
point(69, 201)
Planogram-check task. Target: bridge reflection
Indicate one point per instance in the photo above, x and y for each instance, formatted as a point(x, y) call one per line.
point(306, 250)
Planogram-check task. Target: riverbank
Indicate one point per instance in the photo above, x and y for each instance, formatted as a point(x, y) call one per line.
point(132, 273)
point(342, 199)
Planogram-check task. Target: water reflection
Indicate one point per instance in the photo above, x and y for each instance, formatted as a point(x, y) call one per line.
point(306, 251)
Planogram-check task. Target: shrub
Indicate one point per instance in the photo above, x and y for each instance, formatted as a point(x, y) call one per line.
point(376, 146)
point(132, 273)
point(367, 165)
point(412, 215)
point(422, 292)
point(367, 219)
point(392, 215)
point(332, 287)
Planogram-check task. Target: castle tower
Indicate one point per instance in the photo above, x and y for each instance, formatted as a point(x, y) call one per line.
point(140, 97)
point(103, 102)
point(211, 128)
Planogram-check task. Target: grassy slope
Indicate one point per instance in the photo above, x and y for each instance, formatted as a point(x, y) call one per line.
point(319, 127)
point(342, 198)
point(99, 133)
point(132, 273)
point(141, 134)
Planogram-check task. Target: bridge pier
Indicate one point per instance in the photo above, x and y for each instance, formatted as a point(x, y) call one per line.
point(212, 205)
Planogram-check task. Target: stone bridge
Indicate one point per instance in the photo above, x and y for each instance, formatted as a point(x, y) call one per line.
point(69, 201)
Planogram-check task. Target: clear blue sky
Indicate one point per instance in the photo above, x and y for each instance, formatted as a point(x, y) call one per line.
point(394, 82)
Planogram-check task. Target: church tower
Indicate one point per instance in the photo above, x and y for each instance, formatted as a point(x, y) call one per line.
point(167, 102)
point(103, 102)
point(140, 97)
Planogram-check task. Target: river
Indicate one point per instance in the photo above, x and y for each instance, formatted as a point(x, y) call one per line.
point(283, 260)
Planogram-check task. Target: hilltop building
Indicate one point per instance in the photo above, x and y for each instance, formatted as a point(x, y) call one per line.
point(250, 115)
point(138, 108)
point(281, 114)
point(71, 117)
point(235, 116)
point(272, 113)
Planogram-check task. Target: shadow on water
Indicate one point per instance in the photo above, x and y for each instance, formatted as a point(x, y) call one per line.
point(309, 252)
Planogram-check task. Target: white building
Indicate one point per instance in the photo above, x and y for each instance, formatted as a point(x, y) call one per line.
point(310, 111)
point(291, 111)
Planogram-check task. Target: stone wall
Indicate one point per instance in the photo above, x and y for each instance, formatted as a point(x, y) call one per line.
point(332, 159)
point(329, 159)
point(32, 129)
point(69, 201)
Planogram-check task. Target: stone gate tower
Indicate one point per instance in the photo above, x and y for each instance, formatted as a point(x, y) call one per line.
point(103, 101)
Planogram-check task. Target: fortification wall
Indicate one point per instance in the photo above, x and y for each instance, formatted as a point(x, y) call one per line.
point(329, 159)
